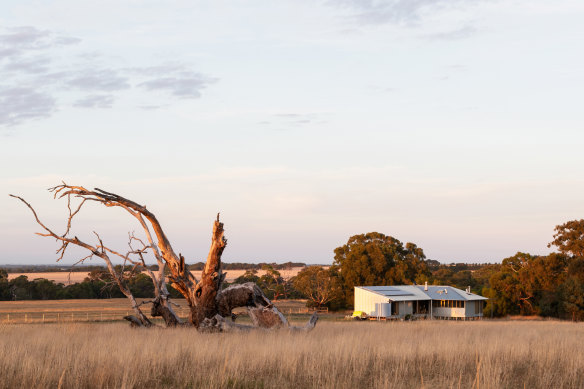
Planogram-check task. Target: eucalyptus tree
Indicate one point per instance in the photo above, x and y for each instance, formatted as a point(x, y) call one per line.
point(378, 259)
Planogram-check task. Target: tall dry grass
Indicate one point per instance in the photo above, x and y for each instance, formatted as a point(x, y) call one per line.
point(334, 355)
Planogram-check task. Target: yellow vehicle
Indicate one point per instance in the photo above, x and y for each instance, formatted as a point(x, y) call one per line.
point(359, 315)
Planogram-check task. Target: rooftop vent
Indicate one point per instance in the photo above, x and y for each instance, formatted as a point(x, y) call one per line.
point(426, 286)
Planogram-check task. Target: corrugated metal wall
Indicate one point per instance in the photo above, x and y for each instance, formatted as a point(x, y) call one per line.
point(365, 301)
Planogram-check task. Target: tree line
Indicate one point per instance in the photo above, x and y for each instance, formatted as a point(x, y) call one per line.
point(523, 284)
point(197, 266)
point(99, 284)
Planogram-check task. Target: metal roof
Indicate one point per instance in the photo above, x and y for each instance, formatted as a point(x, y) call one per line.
point(417, 292)
point(398, 292)
point(449, 293)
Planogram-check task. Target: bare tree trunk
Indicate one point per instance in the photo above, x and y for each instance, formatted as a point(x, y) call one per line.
point(209, 305)
point(161, 308)
point(205, 293)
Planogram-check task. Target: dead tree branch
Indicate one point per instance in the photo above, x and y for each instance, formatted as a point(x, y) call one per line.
point(208, 304)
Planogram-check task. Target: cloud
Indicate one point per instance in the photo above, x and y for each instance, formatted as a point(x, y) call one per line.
point(386, 11)
point(184, 85)
point(34, 65)
point(289, 115)
point(39, 65)
point(393, 11)
point(8, 52)
point(461, 33)
point(168, 68)
point(95, 101)
point(20, 39)
point(21, 104)
point(67, 40)
point(102, 80)
point(151, 107)
point(286, 120)
point(25, 36)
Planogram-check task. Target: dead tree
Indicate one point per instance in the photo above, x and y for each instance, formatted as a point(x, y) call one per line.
point(211, 307)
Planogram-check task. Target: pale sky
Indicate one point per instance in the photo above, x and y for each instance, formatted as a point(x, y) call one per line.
point(453, 124)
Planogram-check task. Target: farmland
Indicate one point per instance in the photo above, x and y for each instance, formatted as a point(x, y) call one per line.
point(47, 311)
point(68, 278)
point(488, 354)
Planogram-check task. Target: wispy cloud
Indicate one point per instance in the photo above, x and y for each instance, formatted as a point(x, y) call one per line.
point(394, 11)
point(21, 104)
point(387, 11)
point(99, 80)
point(35, 81)
point(457, 34)
point(284, 121)
point(25, 37)
point(31, 65)
point(183, 85)
point(95, 101)
point(30, 38)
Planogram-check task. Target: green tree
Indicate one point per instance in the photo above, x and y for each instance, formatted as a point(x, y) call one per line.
point(572, 299)
point(43, 289)
point(272, 283)
point(4, 286)
point(319, 285)
point(378, 259)
point(84, 290)
point(250, 275)
point(141, 286)
point(20, 288)
point(569, 238)
point(527, 285)
point(442, 276)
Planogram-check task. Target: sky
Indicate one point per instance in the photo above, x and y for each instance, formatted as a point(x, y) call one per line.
point(453, 124)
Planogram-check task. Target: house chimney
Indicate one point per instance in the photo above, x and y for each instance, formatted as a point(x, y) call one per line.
point(468, 289)
point(426, 286)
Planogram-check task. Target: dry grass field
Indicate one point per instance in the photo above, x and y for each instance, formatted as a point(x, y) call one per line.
point(431, 354)
point(67, 278)
point(47, 311)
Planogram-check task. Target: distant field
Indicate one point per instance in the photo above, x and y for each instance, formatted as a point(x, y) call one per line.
point(427, 354)
point(72, 278)
point(39, 311)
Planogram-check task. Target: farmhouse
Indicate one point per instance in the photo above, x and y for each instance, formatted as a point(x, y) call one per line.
point(418, 301)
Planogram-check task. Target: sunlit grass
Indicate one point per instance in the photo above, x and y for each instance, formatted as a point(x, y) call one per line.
point(334, 355)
